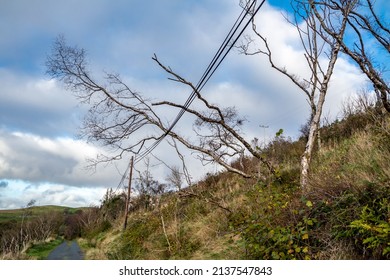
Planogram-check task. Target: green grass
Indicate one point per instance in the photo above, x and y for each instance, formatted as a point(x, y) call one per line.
point(17, 214)
point(5, 217)
point(41, 251)
point(343, 214)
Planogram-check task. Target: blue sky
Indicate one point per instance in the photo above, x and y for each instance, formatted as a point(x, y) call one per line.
point(40, 156)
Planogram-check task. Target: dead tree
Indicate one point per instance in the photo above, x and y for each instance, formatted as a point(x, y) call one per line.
point(310, 19)
point(127, 122)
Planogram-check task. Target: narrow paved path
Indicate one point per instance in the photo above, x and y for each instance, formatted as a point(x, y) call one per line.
point(67, 250)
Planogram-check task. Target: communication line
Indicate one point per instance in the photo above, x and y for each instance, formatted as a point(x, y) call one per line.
point(213, 66)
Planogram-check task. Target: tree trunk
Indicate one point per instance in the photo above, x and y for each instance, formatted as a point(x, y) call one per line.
point(306, 157)
point(314, 124)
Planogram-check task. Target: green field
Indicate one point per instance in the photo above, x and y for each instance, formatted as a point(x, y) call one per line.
point(16, 215)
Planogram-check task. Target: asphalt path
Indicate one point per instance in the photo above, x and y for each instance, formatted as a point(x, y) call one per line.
point(67, 250)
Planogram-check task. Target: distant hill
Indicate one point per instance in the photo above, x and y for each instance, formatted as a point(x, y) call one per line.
point(17, 214)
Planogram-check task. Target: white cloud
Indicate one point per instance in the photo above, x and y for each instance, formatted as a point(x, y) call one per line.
point(18, 193)
point(346, 81)
point(37, 105)
point(60, 160)
point(286, 104)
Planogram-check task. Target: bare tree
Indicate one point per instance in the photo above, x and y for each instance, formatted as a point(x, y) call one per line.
point(89, 217)
point(310, 20)
point(126, 121)
point(367, 30)
point(175, 177)
point(27, 212)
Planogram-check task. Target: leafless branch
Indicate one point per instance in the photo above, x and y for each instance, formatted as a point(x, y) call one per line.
point(320, 27)
point(125, 121)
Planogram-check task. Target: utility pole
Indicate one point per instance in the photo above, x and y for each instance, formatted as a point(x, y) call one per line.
point(264, 127)
point(128, 193)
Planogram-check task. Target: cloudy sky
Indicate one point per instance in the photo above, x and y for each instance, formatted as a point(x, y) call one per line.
point(41, 156)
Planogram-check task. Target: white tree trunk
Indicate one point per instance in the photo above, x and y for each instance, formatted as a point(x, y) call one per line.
point(306, 157)
point(314, 124)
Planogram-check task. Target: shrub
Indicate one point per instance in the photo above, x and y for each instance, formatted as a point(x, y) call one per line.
point(372, 232)
point(371, 228)
point(275, 228)
point(132, 243)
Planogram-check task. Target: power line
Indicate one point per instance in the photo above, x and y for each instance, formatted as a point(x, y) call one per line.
point(206, 75)
point(191, 98)
point(221, 54)
point(122, 179)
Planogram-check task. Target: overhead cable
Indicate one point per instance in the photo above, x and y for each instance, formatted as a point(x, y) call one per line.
point(228, 43)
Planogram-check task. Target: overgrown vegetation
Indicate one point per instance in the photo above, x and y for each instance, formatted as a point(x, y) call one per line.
point(343, 214)
point(32, 232)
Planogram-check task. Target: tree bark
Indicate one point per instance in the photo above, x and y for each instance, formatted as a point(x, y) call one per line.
point(314, 124)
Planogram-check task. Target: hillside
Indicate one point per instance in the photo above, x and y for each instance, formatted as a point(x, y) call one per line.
point(34, 211)
point(344, 214)
point(17, 215)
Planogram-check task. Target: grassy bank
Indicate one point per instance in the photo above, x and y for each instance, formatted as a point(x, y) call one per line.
point(41, 251)
point(343, 214)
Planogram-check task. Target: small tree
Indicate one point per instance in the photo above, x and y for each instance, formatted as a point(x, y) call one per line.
point(126, 121)
point(175, 178)
point(147, 188)
point(317, 44)
point(112, 205)
point(27, 212)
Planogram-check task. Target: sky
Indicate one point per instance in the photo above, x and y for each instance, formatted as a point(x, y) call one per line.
point(41, 156)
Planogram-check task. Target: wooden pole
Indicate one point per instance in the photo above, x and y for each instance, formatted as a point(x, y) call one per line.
point(128, 193)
